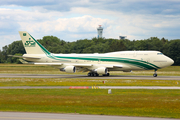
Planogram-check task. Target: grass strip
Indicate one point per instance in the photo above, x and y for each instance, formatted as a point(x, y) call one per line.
point(149, 103)
point(84, 82)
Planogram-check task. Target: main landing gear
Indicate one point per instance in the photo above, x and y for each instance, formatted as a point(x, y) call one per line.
point(106, 74)
point(92, 74)
point(155, 74)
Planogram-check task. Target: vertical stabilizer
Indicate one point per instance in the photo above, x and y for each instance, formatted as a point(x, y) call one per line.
point(31, 45)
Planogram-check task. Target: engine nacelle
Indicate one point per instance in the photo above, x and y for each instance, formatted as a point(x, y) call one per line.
point(69, 69)
point(101, 70)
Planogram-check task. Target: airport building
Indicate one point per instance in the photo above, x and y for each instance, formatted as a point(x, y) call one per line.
point(122, 37)
point(100, 32)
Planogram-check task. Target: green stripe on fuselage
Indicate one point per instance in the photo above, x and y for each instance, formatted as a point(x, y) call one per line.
point(135, 62)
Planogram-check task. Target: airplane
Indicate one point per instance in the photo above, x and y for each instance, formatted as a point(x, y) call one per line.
point(97, 64)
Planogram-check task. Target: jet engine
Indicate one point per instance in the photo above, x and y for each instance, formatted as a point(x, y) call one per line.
point(69, 69)
point(101, 70)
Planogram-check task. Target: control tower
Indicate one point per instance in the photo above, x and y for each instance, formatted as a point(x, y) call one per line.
point(100, 31)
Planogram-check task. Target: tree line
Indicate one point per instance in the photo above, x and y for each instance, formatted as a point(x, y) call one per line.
point(170, 48)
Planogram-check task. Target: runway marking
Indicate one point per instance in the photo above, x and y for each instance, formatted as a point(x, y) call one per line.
point(95, 87)
point(79, 87)
point(18, 118)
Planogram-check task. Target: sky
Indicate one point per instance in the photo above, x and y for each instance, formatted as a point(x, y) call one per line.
point(72, 20)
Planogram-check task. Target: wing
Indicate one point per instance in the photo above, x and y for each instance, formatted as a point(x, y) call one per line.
point(79, 67)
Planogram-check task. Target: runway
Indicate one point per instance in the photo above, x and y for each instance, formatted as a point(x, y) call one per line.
point(56, 116)
point(84, 76)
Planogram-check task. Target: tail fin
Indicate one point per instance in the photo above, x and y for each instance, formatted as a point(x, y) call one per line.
point(31, 45)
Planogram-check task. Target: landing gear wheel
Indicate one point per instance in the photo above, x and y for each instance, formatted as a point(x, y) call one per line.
point(89, 74)
point(154, 75)
point(95, 74)
point(106, 74)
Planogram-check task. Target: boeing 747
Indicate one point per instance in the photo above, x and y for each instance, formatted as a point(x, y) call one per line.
point(96, 64)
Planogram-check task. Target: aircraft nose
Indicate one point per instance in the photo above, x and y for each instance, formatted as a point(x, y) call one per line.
point(170, 61)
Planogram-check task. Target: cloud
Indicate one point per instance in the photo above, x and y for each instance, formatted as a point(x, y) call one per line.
point(49, 23)
point(47, 5)
point(71, 20)
point(78, 27)
point(28, 2)
point(141, 6)
point(165, 7)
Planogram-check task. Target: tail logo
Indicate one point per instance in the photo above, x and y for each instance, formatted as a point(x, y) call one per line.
point(30, 43)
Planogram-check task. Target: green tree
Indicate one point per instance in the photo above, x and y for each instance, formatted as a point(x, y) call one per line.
point(95, 45)
point(0, 56)
point(172, 49)
point(52, 43)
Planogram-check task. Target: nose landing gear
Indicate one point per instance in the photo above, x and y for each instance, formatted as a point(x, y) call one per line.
point(155, 73)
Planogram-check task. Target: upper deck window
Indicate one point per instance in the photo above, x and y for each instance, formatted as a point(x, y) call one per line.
point(159, 53)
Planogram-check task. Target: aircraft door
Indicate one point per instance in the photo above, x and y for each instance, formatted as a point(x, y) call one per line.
point(99, 61)
point(148, 60)
point(76, 61)
point(135, 53)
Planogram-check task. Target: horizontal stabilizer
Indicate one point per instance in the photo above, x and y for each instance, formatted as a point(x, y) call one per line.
point(23, 61)
point(24, 56)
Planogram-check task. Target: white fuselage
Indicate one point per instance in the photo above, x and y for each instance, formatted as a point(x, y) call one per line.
point(114, 61)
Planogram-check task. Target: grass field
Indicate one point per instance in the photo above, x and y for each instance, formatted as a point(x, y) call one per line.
point(84, 82)
point(150, 103)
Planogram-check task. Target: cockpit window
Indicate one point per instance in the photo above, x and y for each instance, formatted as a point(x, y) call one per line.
point(159, 54)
